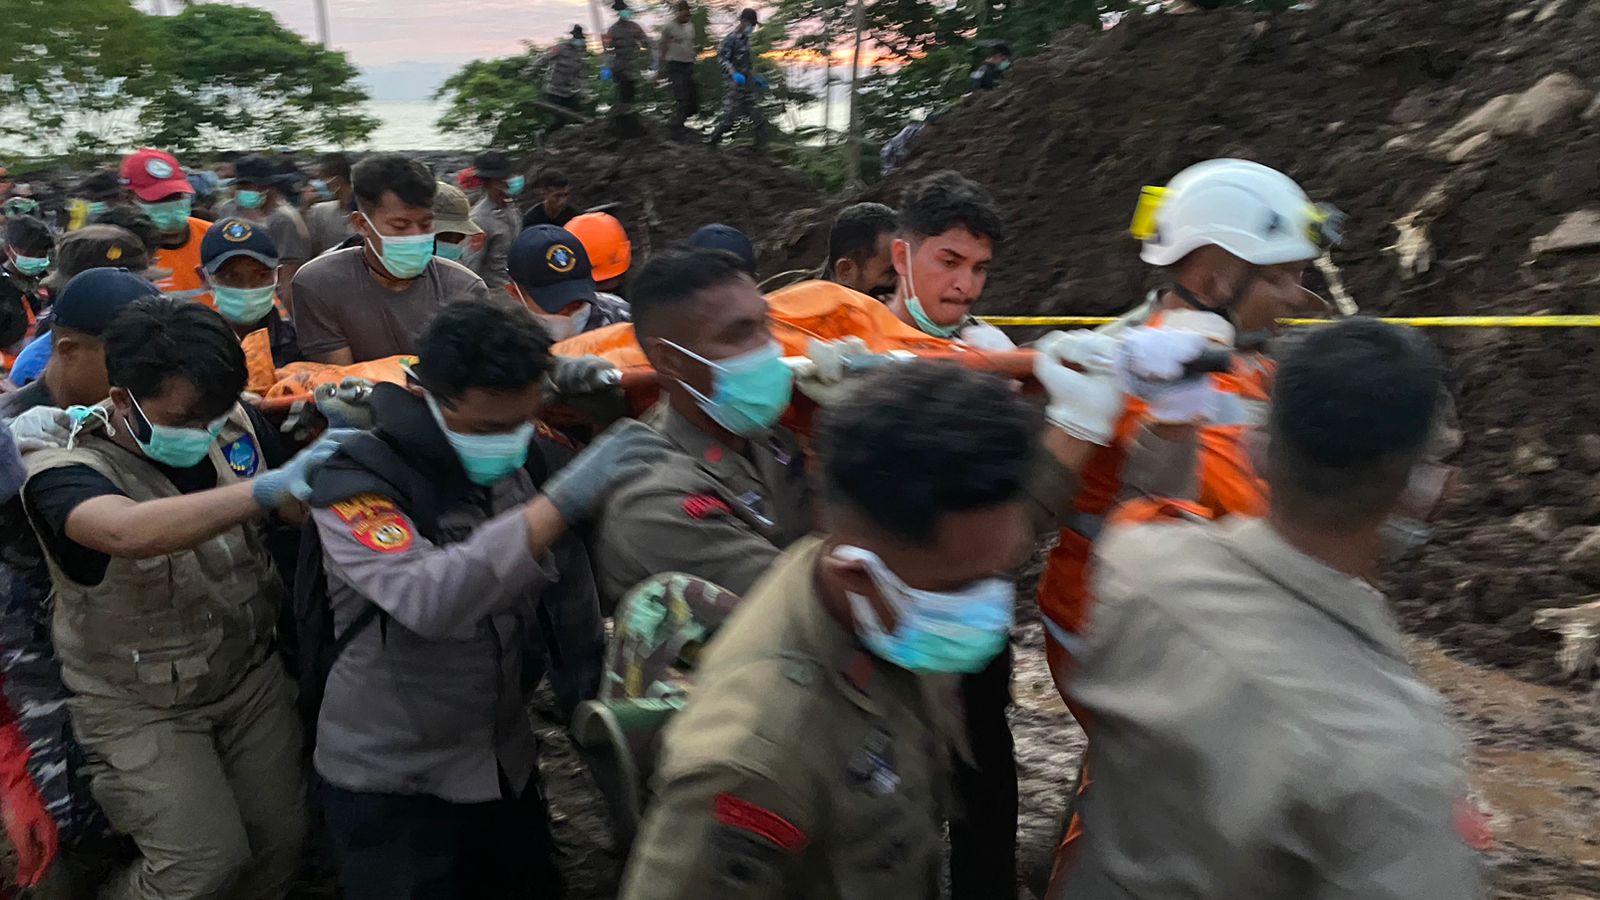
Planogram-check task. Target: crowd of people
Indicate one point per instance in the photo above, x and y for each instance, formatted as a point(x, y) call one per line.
point(222, 639)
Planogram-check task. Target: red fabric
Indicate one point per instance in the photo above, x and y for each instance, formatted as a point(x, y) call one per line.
point(765, 824)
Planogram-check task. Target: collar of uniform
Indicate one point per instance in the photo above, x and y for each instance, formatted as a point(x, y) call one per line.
point(1349, 601)
point(405, 419)
point(710, 452)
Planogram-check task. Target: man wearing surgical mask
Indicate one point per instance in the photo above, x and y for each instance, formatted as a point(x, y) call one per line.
point(372, 301)
point(259, 197)
point(27, 258)
point(241, 265)
point(164, 602)
point(813, 753)
point(949, 228)
point(445, 541)
point(733, 494)
point(497, 214)
point(163, 193)
point(552, 275)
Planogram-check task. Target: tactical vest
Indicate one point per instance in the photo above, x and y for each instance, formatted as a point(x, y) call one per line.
point(176, 630)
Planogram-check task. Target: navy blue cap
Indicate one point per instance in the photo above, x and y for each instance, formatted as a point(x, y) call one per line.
point(232, 237)
point(94, 297)
point(551, 267)
point(727, 239)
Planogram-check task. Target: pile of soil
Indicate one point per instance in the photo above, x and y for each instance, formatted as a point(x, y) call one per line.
point(1352, 99)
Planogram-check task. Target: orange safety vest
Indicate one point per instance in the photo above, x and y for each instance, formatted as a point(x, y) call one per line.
point(9, 359)
point(1228, 485)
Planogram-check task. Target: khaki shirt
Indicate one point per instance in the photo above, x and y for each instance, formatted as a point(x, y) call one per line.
point(705, 510)
point(801, 768)
point(500, 228)
point(1257, 732)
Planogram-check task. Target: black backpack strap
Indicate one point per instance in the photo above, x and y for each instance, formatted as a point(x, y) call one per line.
point(370, 613)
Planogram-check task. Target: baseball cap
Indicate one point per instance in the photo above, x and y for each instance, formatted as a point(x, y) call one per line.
point(93, 298)
point(551, 266)
point(154, 175)
point(493, 164)
point(452, 211)
point(727, 239)
point(94, 247)
point(100, 186)
point(232, 237)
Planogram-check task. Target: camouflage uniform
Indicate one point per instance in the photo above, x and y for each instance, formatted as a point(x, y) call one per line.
point(739, 101)
point(563, 80)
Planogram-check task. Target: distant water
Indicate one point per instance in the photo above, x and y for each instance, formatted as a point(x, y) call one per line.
point(409, 125)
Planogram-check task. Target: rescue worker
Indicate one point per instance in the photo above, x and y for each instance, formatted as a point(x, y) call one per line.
point(454, 232)
point(606, 242)
point(97, 192)
point(26, 260)
point(740, 99)
point(675, 55)
point(497, 215)
point(811, 757)
point(949, 227)
point(732, 495)
point(861, 250)
point(163, 193)
point(727, 239)
point(164, 602)
point(627, 48)
point(260, 196)
point(987, 77)
point(551, 274)
point(555, 201)
point(563, 80)
point(1301, 756)
point(328, 219)
point(371, 302)
point(242, 268)
point(437, 532)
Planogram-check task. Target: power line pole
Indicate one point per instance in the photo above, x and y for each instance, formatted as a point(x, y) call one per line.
point(855, 101)
point(322, 24)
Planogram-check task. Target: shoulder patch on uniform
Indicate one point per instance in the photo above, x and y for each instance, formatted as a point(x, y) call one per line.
point(713, 454)
point(243, 457)
point(376, 522)
point(704, 506)
point(746, 816)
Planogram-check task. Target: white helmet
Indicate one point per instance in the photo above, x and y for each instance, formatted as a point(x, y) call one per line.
point(1254, 212)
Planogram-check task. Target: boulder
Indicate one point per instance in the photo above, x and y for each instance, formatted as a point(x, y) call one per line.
point(1583, 561)
point(1534, 459)
point(1467, 148)
point(1588, 452)
point(1552, 103)
point(1539, 524)
point(1484, 118)
point(1580, 230)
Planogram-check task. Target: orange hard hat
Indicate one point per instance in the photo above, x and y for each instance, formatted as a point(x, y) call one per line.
point(602, 236)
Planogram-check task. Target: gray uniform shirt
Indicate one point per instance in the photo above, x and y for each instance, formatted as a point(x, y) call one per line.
point(338, 304)
point(329, 224)
point(1255, 731)
point(283, 224)
point(500, 228)
point(433, 701)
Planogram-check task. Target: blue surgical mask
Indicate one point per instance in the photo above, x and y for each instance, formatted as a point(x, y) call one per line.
point(515, 184)
point(31, 266)
point(935, 631)
point(920, 315)
point(624, 14)
point(749, 392)
point(447, 250)
point(244, 306)
point(169, 445)
point(403, 256)
point(248, 199)
point(170, 216)
point(321, 187)
point(487, 458)
point(97, 208)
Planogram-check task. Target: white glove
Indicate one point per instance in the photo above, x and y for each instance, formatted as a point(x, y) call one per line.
point(41, 428)
point(1150, 366)
point(1084, 404)
point(1197, 321)
point(824, 380)
point(983, 336)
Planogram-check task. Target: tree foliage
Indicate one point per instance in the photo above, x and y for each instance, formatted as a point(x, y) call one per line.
point(95, 75)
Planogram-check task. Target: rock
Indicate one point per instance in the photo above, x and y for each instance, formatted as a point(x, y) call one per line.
point(1400, 143)
point(1534, 459)
point(1414, 108)
point(1464, 150)
point(1539, 524)
point(1551, 103)
point(1592, 114)
point(1550, 11)
point(1518, 16)
point(1485, 118)
point(1579, 230)
point(1583, 561)
point(1588, 453)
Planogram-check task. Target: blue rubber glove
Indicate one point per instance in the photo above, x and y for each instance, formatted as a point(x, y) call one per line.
point(739, 79)
point(761, 82)
point(293, 480)
point(605, 74)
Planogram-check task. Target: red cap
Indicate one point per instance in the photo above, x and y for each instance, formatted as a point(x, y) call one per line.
point(467, 179)
point(153, 175)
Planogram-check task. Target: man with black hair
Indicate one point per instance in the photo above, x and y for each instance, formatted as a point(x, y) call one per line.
point(444, 538)
point(627, 47)
point(732, 494)
point(497, 215)
point(28, 244)
point(862, 628)
point(263, 195)
point(861, 250)
point(328, 219)
point(563, 80)
point(675, 56)
point(740, 99)
point(1301, 756)
point(987, 76)
point(164, 603)
point(949, 229)
point(371, 302)
point(555, 201)
point(97, 192)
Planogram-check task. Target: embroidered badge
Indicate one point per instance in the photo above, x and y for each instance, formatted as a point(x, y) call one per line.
point(242, 456)
point(376, 523)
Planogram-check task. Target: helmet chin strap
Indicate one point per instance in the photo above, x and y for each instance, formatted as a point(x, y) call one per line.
point(1244, 340)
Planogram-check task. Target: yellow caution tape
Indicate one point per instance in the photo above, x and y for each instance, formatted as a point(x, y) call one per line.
point(1413, 321)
